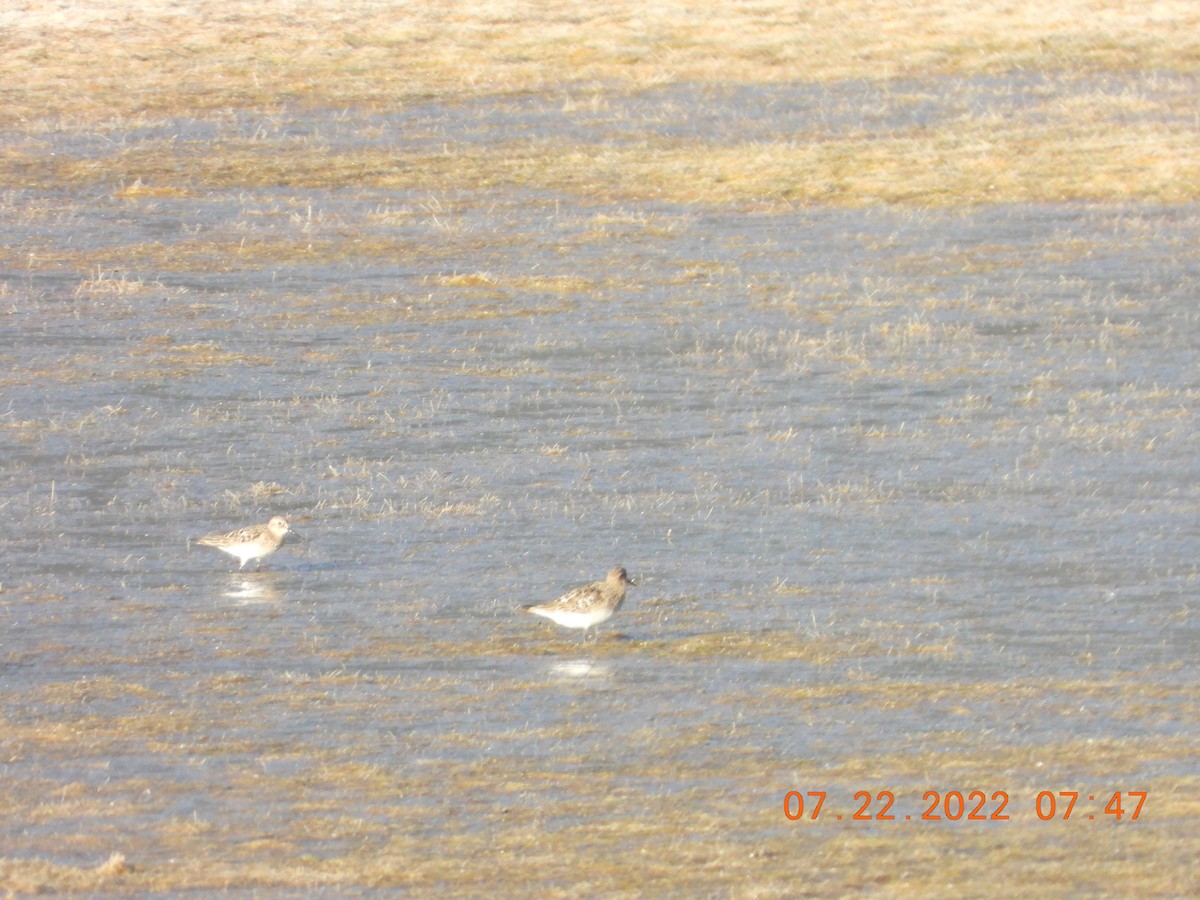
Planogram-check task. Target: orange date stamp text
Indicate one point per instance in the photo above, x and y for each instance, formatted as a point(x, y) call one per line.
point(969, 806)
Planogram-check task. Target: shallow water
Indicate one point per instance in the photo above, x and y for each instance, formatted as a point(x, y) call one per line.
point(952, 454)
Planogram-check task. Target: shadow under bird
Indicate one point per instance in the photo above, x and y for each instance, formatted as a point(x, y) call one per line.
point(252, 542)
point(588, 605)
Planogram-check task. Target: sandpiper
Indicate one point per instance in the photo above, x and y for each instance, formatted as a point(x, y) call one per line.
point(588, 605)
point(253, 542)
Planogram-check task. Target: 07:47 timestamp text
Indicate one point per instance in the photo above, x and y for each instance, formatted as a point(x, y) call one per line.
point(971, 806)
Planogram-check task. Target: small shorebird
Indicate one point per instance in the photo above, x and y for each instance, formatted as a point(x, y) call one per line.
point(588, 605)
point(253, 542)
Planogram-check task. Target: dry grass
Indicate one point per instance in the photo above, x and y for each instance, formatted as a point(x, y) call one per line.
point(966, 161)
point(93, 66)
point(325, 814)
point(98, 60)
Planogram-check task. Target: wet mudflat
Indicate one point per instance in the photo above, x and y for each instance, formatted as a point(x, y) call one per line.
point(910, 495)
